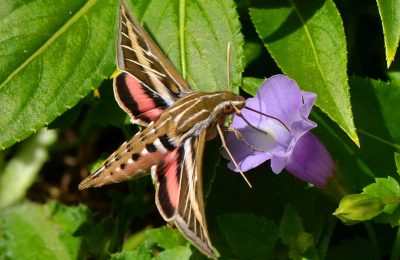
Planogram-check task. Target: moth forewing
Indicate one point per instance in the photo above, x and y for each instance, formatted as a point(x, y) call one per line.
point(140, 44)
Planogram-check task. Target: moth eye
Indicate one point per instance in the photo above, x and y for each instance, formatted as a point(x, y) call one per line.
point(228, 109)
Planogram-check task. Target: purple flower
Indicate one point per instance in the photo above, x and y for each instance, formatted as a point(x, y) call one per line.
point(274, 126)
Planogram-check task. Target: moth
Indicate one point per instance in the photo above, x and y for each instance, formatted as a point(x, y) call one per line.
point(178, 122)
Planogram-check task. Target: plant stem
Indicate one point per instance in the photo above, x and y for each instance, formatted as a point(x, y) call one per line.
point(396, 247)
point(373, 240)
point(391, 200)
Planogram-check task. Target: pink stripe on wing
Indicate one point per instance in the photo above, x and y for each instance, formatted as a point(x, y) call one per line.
point(136, 89)
point(153, 114)
point(171, 174)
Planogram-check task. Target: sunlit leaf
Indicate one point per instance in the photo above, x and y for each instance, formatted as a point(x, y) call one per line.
point(68, 52)
point(195, 36)
point(389, 11)
point(308, 43)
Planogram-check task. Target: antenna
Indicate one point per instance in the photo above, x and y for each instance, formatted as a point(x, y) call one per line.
point(228, 64)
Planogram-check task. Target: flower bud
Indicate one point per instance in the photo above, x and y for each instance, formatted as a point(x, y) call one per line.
point(358, 207)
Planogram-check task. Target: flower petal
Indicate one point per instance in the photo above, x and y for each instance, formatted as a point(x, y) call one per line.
point(310, 161)
point(251, 161)
point(308, 102)
point(278, 162)
point(299, 128)
point(282, 97)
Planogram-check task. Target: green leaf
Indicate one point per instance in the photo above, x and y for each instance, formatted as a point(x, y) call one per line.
point(21, 170)
point(97, 236)
point(374, 101)
point(389, 11)
point(291, 225)
point(249, 235)
point(166, 237)
point(176, 247)
point(394, 76)
point(20, 34)
point(180, 252)
point(195, 36)
point(378, 100)
point(384, 188)
point(132, 255)
point(393, 218)
point(291, 231)
point(144, 251)
point(308, 43)
point(105, 110)
point(135, 240)
point(31, 231)
point(251, 85)
point(128, 207)
point(388, 190)
point(67, 119)
point(66, 221)
point(56, 52)
point(251, 51)
point(397, 161)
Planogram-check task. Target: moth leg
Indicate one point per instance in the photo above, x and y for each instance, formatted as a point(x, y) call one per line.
point(231, 156)
point(240, 136)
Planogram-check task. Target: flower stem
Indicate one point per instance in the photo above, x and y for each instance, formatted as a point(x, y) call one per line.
point(373, 240)
point(396, 247)
point(391, 200)
point(337, 188)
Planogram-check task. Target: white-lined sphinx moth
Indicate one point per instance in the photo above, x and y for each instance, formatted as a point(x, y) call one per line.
point(178, 121)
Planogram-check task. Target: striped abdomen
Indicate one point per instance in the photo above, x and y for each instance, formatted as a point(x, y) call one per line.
point(133, 158)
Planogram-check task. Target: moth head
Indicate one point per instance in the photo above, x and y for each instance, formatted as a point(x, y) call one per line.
point(234, 104)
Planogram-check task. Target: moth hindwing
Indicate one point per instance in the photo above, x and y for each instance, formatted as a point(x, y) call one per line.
point(178, 122)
